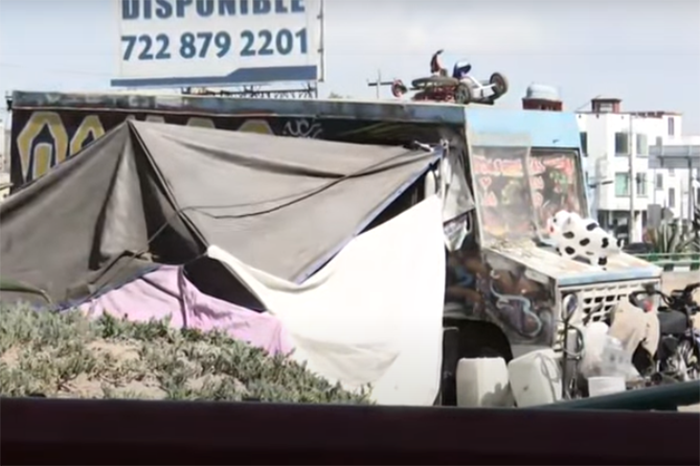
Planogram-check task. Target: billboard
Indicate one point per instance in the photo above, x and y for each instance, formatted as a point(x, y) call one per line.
point(180, 43)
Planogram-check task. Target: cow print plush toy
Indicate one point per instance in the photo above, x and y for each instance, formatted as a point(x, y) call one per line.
point(576, 237)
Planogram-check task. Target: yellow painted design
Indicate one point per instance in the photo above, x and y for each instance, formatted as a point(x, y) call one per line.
point(201, 122)
point(90, 125)
point(43, 153)
point(29, 151)
point(256, 126)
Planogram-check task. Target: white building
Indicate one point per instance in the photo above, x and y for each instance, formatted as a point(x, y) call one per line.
point(607, 136)
point(3, 143)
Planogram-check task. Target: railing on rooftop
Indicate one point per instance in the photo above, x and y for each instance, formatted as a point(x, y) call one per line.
point(673, 261)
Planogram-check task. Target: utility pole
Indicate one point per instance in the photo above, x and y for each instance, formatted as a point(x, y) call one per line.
point(378, 84)
point(631, 236)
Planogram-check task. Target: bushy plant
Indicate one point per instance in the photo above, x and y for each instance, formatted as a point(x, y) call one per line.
point(68, 355)
point(669, 238)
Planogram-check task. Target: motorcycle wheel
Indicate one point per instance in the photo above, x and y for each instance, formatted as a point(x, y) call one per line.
point(686, 361)
point(500, 84)
point(463, 94)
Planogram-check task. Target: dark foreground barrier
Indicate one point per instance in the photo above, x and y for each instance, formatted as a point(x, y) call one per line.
point(662, 398)
point(43, 431)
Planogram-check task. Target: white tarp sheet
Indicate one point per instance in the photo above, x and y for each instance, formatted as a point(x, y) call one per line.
point(373, 315)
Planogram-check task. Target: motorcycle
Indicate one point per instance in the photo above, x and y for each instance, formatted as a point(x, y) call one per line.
point(440, 87)
point(678, 354)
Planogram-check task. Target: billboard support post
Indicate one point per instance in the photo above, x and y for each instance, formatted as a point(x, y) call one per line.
point(322, 41)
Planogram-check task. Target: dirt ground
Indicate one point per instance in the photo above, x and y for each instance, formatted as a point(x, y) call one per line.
point(675, 280)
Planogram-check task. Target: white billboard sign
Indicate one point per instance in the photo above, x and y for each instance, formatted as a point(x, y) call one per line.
point(164, 43)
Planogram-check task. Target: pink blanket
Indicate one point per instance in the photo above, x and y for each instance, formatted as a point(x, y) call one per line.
point(166, 291)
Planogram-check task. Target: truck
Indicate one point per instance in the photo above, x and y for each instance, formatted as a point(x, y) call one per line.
point(505, 287)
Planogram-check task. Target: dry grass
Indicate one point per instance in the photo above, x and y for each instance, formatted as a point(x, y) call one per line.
point(67, 355)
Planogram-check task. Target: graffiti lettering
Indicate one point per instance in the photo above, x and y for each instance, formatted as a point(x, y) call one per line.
point(303, 128)
point(498, 167)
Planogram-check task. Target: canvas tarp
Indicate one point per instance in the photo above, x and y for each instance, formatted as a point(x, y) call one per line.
point(281, 205)
point(373, 315)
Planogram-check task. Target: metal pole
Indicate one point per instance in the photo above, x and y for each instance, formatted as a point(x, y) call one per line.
point(322, 48)
point(379, 82)
point(632, 183)
point(691, 189)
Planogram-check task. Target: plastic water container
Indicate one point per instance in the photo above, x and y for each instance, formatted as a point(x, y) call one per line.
point(483, 383)
point(599, 386)
point(535, 378)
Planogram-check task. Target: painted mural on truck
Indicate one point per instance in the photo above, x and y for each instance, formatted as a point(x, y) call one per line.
point(41, 139)
point(482, 285)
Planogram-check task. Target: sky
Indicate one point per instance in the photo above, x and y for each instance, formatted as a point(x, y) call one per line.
point(645, 52)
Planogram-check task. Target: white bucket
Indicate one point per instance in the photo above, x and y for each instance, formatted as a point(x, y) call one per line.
point(598, 386)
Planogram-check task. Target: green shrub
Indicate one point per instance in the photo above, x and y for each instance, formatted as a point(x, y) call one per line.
point(68, 355)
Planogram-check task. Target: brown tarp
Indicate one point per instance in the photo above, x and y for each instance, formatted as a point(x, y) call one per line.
point(282, 205)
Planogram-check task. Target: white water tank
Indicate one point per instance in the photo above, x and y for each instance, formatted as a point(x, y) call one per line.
point(542, 92)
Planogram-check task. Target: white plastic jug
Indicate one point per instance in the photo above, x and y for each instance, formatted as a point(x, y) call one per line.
point(483, 383)
point(598, 386)
point(535, 378)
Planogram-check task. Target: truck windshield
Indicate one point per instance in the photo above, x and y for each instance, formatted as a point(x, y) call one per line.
point(556, 184)
point(517, 189)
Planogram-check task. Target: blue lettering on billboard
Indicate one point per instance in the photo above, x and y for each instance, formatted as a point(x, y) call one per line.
point(164, 9)
point(203, 44)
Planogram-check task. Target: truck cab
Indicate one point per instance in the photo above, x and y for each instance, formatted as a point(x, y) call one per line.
point(506, 283)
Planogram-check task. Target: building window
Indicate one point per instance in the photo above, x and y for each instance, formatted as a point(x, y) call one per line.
point(671, 197)
point(641, 184)
point(584, 143)
point(605, 107)
point(622, 184)
point(622, 144)
point(642, 145)
point(671, 172)
point(659, 181)
point(671, 126)
point(659, 141)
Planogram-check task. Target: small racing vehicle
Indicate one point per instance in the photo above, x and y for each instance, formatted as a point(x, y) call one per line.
point(460, 88)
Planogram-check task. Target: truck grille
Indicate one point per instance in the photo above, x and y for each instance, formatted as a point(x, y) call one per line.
point(592, 296)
